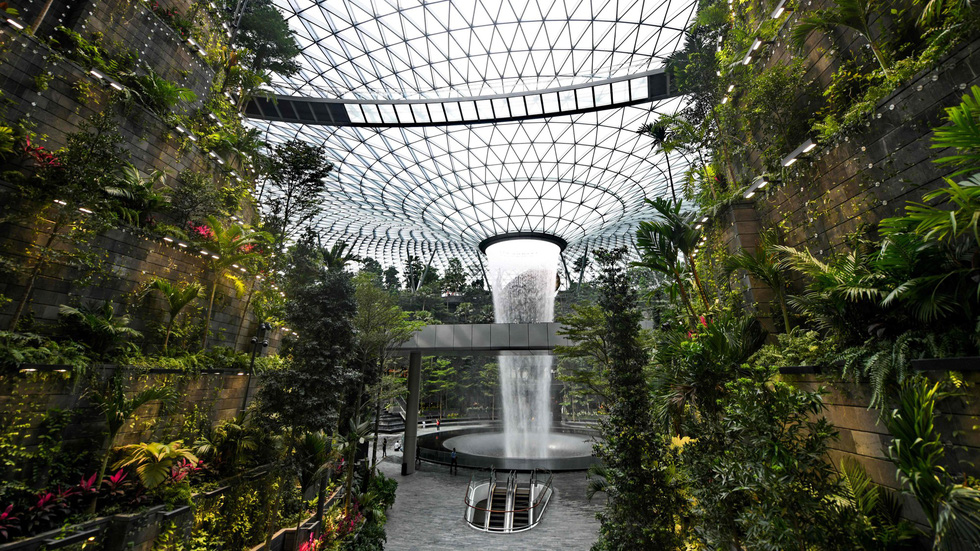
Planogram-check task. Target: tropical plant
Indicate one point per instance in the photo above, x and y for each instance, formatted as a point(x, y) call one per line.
point(667, 245)
point(158, 93)
point(662, 137)
point(29, 348)
point(696, 367)
point(347, 444)
point(868, 514)
point(233, 244)
point(338, 255)
point(178, 297)
point(98, 328)
point(951, 509)
point(842, 295)
point(117, 409)
point(644, 512)
point(226, 445)
point(314, 458)
point(763, 264)
point(938, 222)
point(137, 194)
point(293, 191)
point(849, 14)
point(154, 461)
point(962, 133)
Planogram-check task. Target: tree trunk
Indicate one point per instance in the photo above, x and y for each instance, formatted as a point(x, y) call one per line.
point(670, 176)
point(697, 281)
point(241, 324)
point(782, 306)
point(25, 298)
point(166, 339)
point(684, 297)
point(377, 418)
point(276, 503)
point(207, 319)
point(321, 498)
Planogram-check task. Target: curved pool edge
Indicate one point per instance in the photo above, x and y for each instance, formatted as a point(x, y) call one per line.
point(431, 450)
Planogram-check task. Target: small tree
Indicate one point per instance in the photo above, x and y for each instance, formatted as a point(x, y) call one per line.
point(292, 192)
point(265, 40)
point(177, 297)
point(233, 244)
point(380, 325)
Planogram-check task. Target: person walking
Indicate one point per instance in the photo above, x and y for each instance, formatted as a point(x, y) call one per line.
point(453, 466)
point(384, 448)
point(437, 424)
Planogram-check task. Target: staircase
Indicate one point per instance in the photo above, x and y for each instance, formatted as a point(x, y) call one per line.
point(390, 423)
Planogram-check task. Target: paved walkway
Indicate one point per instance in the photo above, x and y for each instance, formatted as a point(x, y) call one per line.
point(428, 514)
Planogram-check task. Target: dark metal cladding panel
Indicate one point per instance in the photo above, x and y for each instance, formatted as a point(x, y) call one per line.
point(267, 107)
point(321, 111)
point(252, 109)
point(657, 85)
point(305, 112)
point(287, 111)
point(339, 113)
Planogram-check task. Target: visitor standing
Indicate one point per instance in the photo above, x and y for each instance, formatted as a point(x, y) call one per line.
point(437, 424)
point(418, 456)
point(453, 466)
point(384, 448)
point(423, 424)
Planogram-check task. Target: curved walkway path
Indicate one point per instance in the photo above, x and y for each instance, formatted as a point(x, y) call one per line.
point(428, 514)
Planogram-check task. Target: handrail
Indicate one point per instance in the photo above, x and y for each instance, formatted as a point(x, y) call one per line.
point(537, 503)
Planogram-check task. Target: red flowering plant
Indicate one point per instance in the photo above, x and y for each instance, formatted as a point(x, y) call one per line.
point(181, 471)
point(8, 523)
point(202, 231)
point(39, 156)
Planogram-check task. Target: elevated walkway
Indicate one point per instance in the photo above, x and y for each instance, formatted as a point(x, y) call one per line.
point(488, 338)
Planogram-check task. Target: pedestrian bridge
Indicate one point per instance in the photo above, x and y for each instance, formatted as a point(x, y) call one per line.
point(486, 338)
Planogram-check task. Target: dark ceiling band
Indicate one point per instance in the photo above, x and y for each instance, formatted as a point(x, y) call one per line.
point(523, 235)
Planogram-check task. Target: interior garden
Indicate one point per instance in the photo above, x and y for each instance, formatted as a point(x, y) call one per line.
point(202, 308)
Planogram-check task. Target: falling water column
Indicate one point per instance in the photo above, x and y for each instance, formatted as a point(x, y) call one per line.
point(522, 274)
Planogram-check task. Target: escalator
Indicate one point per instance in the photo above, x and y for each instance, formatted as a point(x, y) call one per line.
point(498, 507)
point(522, 506)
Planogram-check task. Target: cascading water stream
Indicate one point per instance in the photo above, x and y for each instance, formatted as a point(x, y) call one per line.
point(522, 276)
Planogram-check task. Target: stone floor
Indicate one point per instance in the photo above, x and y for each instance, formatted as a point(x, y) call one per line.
point(428, 514)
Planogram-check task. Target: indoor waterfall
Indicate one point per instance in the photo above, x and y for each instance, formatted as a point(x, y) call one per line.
point(522, 276)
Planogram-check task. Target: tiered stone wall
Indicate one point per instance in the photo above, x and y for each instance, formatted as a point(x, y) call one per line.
point(208, 397)
point(863, 435)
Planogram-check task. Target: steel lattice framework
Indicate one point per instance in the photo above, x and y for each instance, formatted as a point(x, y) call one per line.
point(437, 190)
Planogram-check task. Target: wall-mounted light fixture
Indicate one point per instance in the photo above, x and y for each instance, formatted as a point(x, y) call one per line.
point(758, 183)
point(781, 8)
point(805, 147)
point(15, 24)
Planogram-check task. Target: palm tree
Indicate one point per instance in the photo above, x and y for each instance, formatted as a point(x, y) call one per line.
point(662, 137)
point(117, 410)
point(228, 443)
point(763, 264)
point(232, 245)
point(348, 447)
point(850, 14)
point(667, 245)
point(337, 256)
point(177, 297)
point(98, 327)
point(315, 455)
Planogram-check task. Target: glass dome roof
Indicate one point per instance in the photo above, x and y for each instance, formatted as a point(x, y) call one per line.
point(436, 190)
